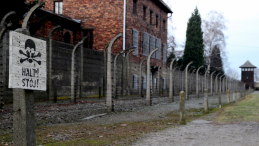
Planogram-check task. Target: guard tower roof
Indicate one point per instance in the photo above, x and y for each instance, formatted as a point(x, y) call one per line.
point(247, 64)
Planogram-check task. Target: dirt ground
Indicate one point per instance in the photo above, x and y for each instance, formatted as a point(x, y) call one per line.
point(205, 131)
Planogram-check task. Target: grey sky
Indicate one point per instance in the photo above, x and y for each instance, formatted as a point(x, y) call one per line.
point(242, 22)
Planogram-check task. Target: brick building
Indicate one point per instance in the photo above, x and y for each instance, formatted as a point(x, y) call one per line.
point(145, 23)
point(247, 74)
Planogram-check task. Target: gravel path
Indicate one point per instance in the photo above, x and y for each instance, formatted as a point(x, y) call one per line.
point(205, 132)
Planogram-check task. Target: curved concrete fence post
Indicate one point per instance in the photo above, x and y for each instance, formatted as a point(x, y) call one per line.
point(220, 88)
point(171, 81)
point(140, 77)
point(206, 104)
point(193, 80)
point(73, 97)
point(158, 77)
point(148, 101)
point(182, 108)
point(179, 79)
point(216, 79)
point(197, 81)
point(127, 70)
point(211, 81)
point(114, 72)
point(27, 17)
point(49, 83)
point(109, 106)
point(2, 26)
point(186, 80)
point(104, 69)
point(4, 56)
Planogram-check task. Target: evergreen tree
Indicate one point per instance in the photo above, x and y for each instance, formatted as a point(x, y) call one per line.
point(216, 60)
point(194, 41)
point(170, 58)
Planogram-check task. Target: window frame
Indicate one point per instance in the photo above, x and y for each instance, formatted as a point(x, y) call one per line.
point(144, 12)
point(151, 16)
point(135, 5)
point(156, 21)
point(60, 9)
point(164, 25)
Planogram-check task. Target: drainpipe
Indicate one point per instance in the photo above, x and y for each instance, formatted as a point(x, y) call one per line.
point(124, 24)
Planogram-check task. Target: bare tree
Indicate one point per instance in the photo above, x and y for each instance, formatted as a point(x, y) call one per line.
point(213, 36)
point(256, 74)
point(232, 74)
point(171, 42)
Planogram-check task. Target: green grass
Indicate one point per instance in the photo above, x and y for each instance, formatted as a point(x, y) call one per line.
point(245, 110)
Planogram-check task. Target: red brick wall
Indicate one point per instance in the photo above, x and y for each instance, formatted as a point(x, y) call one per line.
point(106, 16)
point(136, 21)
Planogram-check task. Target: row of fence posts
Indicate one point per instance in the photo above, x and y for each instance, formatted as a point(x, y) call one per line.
point(239, 94)
point(23, 99)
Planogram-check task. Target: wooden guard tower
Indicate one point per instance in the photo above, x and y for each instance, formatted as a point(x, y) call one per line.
point(247, 74)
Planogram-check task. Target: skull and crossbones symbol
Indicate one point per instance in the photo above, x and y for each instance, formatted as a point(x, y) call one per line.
point(30, 52)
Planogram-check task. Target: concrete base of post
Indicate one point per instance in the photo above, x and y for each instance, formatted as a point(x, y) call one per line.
point(148, 102)
point(23, 118)
point(206, 104)
point(182, 108)
point(228, 96)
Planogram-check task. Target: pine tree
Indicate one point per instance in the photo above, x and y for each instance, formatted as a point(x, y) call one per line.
point(194, 41)
point(216, 60)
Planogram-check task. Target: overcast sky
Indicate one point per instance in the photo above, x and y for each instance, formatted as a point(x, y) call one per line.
point(242, 23)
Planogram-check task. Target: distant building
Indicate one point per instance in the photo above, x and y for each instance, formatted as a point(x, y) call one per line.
point(247, 74)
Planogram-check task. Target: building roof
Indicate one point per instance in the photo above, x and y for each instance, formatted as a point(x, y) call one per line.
point(163, 5)
point(247, 64)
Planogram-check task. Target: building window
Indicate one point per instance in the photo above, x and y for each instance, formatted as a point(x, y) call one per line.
point(156, 21)
point(245, 69)
point(88, 43)
point(252, 69)
point(158, 45)
point(67, 37)
point(144, 12)
point(164, 52)
point(135, 6)
point(144, 81)
point(145, 49)
point(152, 46)
point(151, 14)
point(164, 83)
point(135, 82)
point(58, 7)
point(164, 25)
point(135, 41)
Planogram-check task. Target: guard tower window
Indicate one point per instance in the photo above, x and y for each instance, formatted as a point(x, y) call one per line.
point(58, 7)
point(135, 6)
point(252, 69)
